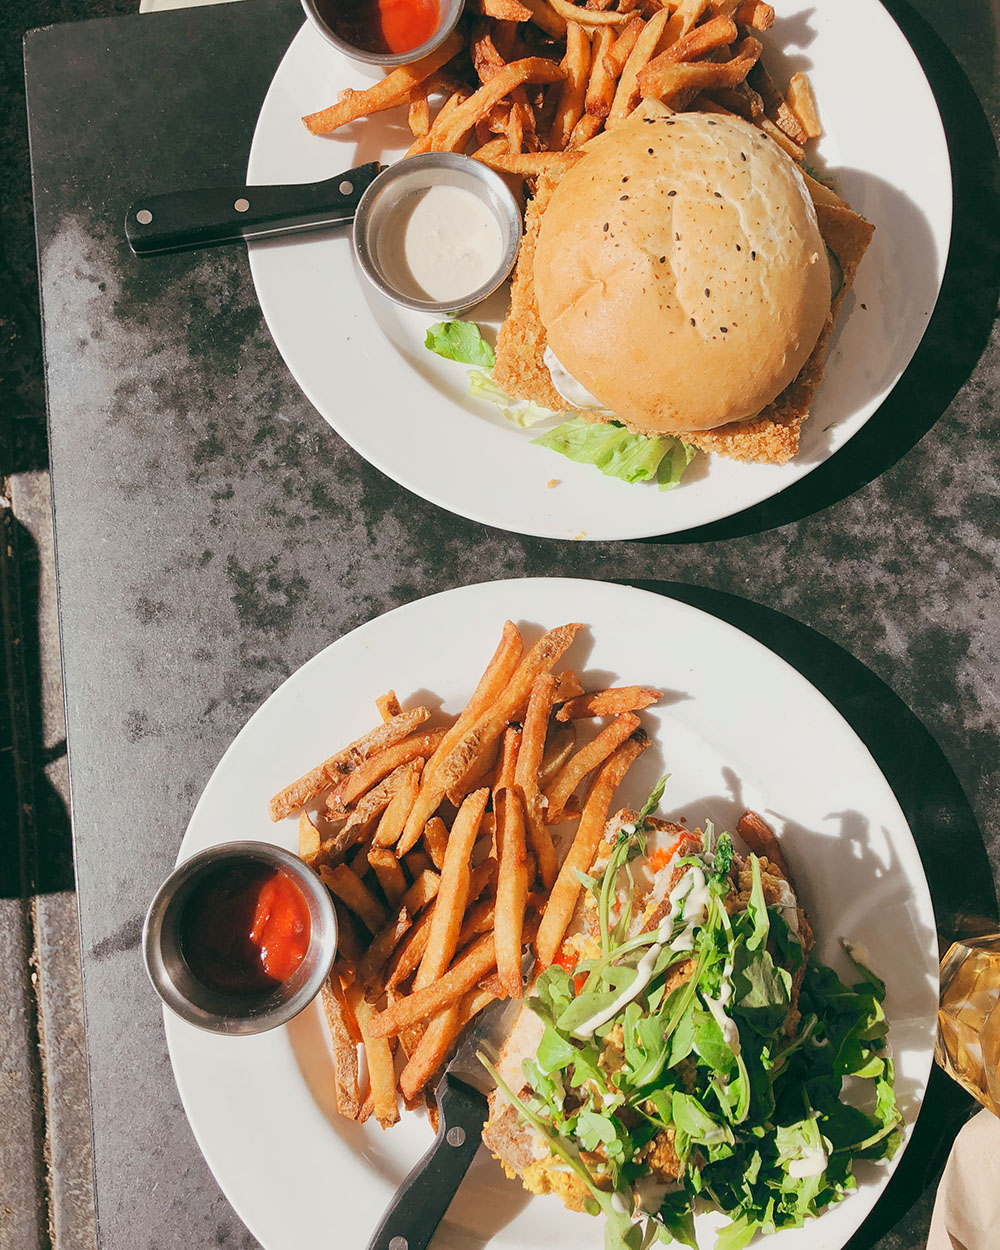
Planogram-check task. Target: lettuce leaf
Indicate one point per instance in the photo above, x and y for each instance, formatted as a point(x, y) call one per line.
point(522, 412)
point(610, 447)
point(462, 341)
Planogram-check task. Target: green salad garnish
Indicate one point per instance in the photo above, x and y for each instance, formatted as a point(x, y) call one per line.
point(703, 1061)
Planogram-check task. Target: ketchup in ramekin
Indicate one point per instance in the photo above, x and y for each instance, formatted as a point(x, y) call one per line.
point(382, 26)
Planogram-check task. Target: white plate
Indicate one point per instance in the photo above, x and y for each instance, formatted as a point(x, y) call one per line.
point(738, 728)
point(362, 363)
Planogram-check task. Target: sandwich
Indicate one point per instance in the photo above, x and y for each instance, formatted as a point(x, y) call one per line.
point(682, 278)
point(686, 1050)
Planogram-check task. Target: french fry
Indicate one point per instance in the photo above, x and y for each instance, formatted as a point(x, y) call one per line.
point(349, 949)
point(440, 1035)
point(389, 873)
point(388, 93)
point(529, 762)
point(501, 667)
point(310, 842)
point(453, 892)
point(620, 51)
point(755, 14)
point(388, 704)
point(663, 78)
point(775, 105)
point(760, 838)
point(417, 862)
point(345, 1035)
point(717, 32)
point(512, 889)
point(741, 99)
point(369, 808)
point(353, 892)
point(586, 17)
point(382, 945)
point(408, 954)
point(627, 94)
point(424, 888)
point(528, 164)
point(780, 138)
point(547, 18)
point(481, 768)
point(580, 857)
point(558, 748)
point(410, 951)
point(378, 1053)
point(505, 10)
point(567, 687)
point(394, 816)
point(469, 968)
point(572, 93)
point(435, 840)
point(688, 13)
point(318, 779)
point(586, 760)
point(450, 133)
point(802, 102)
point(584, 130)
point(600, 92)
point(419, 747)
point(610, 702)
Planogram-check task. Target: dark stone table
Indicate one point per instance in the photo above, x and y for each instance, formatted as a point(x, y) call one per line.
point(213, 533)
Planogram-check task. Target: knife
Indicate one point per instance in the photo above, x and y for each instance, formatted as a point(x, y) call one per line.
point(421, 1201)
point(181, 221)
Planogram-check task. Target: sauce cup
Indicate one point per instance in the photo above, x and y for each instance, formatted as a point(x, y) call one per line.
point(322, 14)
point(391, 215)
point(169, 931)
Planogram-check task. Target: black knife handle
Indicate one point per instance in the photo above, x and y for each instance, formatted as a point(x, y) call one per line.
point(184, 220)
point(421, 1201)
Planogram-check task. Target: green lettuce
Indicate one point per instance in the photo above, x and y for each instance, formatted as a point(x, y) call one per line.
point(462, 341)
point(610, 447)
point(522, 412)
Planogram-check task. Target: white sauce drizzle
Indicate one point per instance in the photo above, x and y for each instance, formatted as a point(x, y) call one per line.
point(813, 1163)
point(574, 393)
point(788, 906)
point(643, 975)
point(441, 243)
point(693, 891)
point(619, 1204)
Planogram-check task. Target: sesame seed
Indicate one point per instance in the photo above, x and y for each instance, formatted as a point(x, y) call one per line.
point(671, 193)
point(724, 329)
point(606, 227)
point(668, 121)
point(738, 248)
point(625, 179)
point(663, 260)
point(712, 123)
point(707, 292)
point(623, 197)
point(753, 255)
point(692, 320)
point(743, 156)
point(717, 194)
point(650, 151)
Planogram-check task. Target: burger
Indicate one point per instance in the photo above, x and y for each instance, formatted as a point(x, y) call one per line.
point(681, 278)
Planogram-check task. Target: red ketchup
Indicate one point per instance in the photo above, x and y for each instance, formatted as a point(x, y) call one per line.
point(244, 929)
point(381, 25)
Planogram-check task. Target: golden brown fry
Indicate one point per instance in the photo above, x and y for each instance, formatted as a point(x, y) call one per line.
point(741, 100)
point(775, 105)
point(717, 32)
point(309, 840)
point(609, 702)
point(780, 138)
point(476, 776)
point(378, 1052)
point(600, 90)
point(419, 747)
point(547, 18)
point(469, 968)
point(388, 704)
point(627, 94)
point(389, 873)
point(529, 762)
point(352, 891)
point(345, 1035)
point(756, 14)
point(394, 816)
point(761, 839)
point(802, 102)
point(440, 1035)
point(586, 17)
point(303, 791)
point(620, 51)
point(453, 891)
point(424, 888)
point(417, 862)
point(573, 91)
point(568, 686)
point(435, 840)
point(512, 888)
point(370, 807)
point(505, 10)
point(493, 681)
point(663, 78)
point(451, 133)
point(388, 93)
point(558, 748)
point(586, 760)
point(528, 164)
point(562, 899)
point(382, 945)
point(584, 130)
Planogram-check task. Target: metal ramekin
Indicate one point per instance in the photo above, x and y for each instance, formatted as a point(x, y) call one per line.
point(416, 173)
point(450, 12)
point(230, 1013)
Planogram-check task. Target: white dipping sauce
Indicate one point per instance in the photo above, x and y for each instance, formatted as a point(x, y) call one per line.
point(441, 243)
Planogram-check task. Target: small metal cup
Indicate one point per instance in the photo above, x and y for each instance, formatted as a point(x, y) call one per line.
point(417, 173)
point(450, 12)
point(220, 1012)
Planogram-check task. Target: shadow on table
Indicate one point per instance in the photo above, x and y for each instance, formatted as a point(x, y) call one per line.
point(958, 330)
point(944, 828)
point(37, 856)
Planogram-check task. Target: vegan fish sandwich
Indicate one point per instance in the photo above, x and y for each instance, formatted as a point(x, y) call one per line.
point(685, 1049)
point(682, 278)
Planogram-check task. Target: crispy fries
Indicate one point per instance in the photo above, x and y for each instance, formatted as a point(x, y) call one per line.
point(352, 891)
point(564, 894)
point(760, 838)
point(664, 78)
point(585, 761)
point(569, 110)
point(529, 762)
point(462, 976)
point(802, 102)
point(610, 702)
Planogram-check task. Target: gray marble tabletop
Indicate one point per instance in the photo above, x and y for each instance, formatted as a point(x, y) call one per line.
point(213, 533)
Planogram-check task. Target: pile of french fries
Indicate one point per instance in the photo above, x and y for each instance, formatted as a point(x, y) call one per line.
point(524, 84)
point(437, 846)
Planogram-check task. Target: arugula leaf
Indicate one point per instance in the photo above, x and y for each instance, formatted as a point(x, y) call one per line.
point(462, 341)
point(651, 803)
point(610, 447)
point(757, 908)
point(724, 853)
point(710, 1044)
point(761, 990)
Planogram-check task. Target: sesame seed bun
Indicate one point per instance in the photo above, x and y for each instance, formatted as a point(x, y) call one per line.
point(680, 272)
